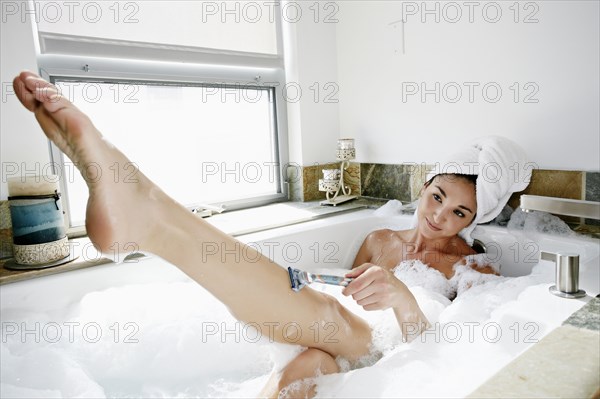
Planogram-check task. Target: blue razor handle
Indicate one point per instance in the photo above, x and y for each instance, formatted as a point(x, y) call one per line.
point(329, 279)
point(299, 279)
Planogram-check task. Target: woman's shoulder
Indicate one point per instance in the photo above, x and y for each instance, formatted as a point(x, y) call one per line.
point(383, 238)
point(455, 253)
point(458, 248)
point(381, 234)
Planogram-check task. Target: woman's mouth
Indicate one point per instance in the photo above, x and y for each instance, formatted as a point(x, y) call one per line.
point(432, 226)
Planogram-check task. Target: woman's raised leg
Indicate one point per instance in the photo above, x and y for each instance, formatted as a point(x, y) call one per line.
point(120, 213)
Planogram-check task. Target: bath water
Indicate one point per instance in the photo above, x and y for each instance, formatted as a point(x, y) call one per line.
point(176, 340)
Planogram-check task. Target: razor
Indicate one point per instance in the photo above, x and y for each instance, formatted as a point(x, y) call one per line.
point(299, 279)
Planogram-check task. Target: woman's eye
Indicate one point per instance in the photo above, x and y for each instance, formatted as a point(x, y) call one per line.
point(459, 214)
point(437, 198)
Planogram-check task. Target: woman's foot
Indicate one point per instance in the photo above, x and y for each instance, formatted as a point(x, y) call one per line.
point(120, 213)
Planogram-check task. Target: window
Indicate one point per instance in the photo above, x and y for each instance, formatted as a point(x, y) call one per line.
point(198, 143)
point(201, 118)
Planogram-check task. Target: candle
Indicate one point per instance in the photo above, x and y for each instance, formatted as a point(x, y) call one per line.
point(331, 174)
point(39, 234)
point(32, 185)
point(345, 144)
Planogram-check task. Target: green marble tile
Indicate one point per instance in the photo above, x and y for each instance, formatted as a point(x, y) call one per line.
point(4, 215)
point(592, 192)
point(386, 181)
point(553, 183)
point(312, 174)
point(5, 231)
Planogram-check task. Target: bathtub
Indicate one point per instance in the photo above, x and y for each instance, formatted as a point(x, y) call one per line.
point(144, 329)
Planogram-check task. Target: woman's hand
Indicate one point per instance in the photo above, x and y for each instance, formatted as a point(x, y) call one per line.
point(375, 288)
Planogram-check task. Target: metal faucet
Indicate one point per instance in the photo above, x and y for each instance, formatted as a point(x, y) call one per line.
point(567, 274)
point(561, 206)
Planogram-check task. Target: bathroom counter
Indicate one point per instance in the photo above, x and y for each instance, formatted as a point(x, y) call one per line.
point(77, 261)
point(235, 223)
point(564, 364)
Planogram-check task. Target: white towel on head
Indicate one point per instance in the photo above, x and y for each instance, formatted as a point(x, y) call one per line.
point(501, 167)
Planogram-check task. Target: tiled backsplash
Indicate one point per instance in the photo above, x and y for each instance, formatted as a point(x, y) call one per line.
point(404, 182)
point(306, 187)
point(553, 183)
point(592, 192)
point(401, 182)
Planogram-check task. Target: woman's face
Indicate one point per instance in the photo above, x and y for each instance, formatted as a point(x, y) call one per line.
point(447, 206)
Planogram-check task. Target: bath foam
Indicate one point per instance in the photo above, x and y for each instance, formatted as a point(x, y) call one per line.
point(40, 369)
point(415, 273)
point(541, 222)
point(479, 261)
point(430, 365)
point(178, 343)
point(175, 356)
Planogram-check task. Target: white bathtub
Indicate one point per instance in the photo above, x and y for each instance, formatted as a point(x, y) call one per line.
point(144, 329)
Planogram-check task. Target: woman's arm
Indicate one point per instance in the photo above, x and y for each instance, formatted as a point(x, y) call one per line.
point(365, 252)
point(373, 244)
point(486, 270)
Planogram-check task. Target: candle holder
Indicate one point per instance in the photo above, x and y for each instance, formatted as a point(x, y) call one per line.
point(39, 233)
point(333, 179)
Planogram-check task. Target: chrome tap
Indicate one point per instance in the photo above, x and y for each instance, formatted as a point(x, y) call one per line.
point(567, 274)
point(561, 206)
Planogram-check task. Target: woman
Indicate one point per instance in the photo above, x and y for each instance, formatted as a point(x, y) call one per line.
point(258, 291)
point(447, 206)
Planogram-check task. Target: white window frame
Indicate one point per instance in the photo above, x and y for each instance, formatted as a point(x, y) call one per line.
point(221, 68)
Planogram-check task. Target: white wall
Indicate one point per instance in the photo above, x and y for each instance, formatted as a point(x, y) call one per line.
point(208, 24)
point(559, 54)
point(362, 54)
point(23, 146)
point(311, 65)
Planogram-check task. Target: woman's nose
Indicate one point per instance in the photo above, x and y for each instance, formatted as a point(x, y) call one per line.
point(439, 215)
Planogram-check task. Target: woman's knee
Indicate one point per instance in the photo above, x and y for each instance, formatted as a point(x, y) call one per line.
point(309, 364)
point(319, 361)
